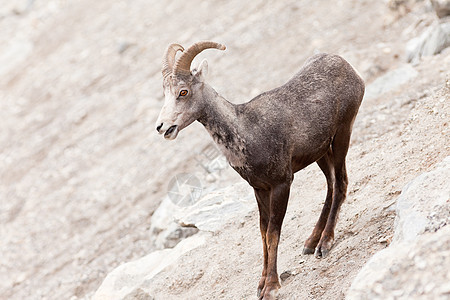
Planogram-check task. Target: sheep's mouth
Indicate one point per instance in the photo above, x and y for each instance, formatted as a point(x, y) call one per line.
point(171, 133)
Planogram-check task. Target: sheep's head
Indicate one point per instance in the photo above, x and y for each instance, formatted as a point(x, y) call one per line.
point(183, 102)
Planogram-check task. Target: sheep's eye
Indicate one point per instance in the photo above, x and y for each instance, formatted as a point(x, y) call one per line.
point(183, 93)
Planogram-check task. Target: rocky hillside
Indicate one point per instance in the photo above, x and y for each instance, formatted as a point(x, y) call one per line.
point(415, 265)
point(85, 181)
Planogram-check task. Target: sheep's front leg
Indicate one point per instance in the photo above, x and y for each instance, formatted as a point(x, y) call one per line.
point(278, 204)
point(263, 199)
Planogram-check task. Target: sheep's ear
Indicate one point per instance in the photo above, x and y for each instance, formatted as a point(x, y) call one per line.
point(202, 70)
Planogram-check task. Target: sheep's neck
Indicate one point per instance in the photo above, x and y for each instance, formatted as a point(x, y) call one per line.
point(221, 120)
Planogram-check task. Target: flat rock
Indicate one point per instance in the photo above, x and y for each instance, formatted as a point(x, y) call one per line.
point(172, 223)
point(128, 281)
point(421, 197)
point(416, 270)
point(217, 208)
point(390, 81)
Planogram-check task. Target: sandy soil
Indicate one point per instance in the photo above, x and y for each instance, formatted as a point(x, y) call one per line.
point(82, 169)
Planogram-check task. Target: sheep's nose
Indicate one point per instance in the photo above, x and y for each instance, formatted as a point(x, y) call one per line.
point(158, 128)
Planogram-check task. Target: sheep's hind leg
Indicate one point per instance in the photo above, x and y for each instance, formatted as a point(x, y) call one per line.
point(326, 165)
point(340, 147)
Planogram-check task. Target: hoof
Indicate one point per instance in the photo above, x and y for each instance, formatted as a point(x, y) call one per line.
point(307, 251)
point(261, 286)
point(268, 295)
point(321, 253)
point(323, 248)
point(269, 291)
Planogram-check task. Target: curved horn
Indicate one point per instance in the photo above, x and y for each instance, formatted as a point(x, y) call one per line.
point(183, 64)
point(169, 59)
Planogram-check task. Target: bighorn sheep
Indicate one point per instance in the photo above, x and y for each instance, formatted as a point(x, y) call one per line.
point(266, 140)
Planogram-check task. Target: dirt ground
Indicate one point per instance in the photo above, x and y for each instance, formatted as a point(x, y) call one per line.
point(82, 168)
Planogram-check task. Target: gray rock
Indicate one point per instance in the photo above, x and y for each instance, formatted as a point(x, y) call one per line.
point(435, 39)
point(138, 294)
point(217, 208)
point(179, 234)
point(390, 81)
point(415, 270)
point(129, 280)
point(416, 264)
point(163, 224)
point(418, 201)
point(172, 223)
point(287, 274)
point(441, 7)
point(124, 46)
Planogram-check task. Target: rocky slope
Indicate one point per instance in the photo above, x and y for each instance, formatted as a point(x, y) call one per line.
point(416, 264)
point(82, 170)
point(218, 267)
